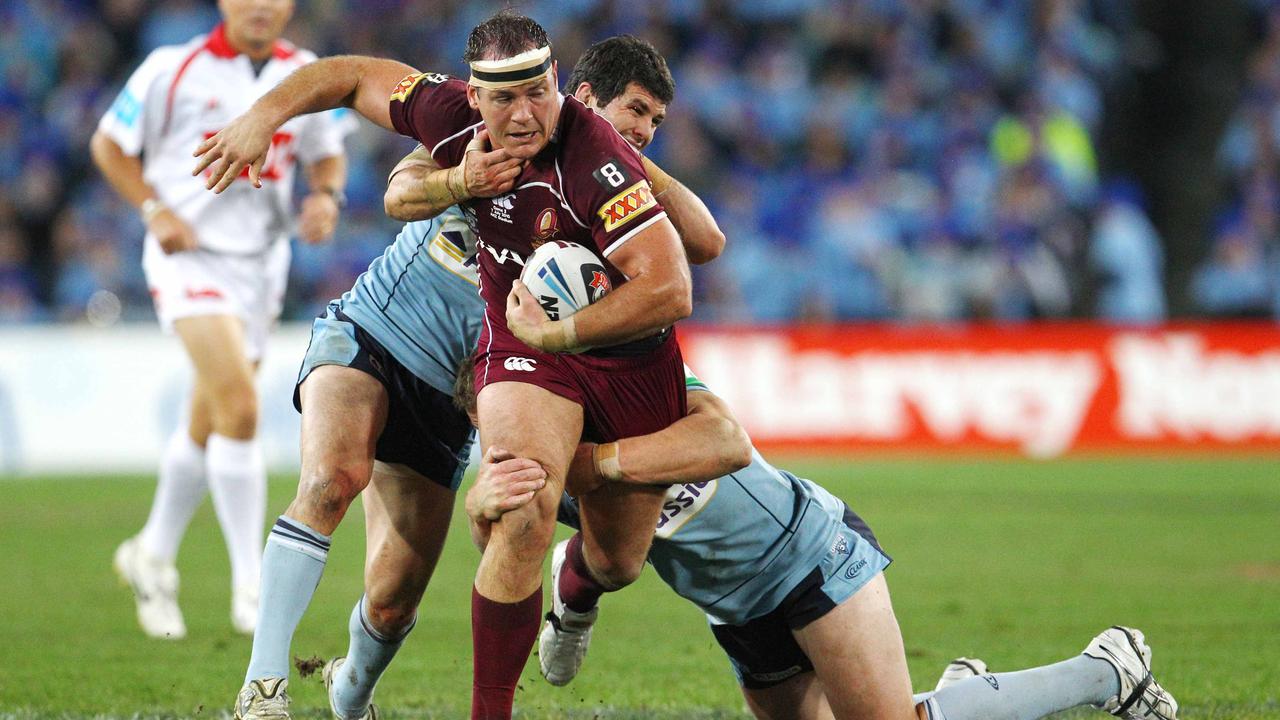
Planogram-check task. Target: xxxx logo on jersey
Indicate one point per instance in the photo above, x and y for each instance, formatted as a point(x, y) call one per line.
point(627, 205)
point(410, 81)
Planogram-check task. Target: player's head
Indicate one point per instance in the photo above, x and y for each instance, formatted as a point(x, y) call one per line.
point(253, 26)
point(513, 82)
point(626, 81)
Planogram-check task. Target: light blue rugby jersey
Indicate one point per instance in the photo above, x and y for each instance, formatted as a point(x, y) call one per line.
point(420, 298)
point(737, 545)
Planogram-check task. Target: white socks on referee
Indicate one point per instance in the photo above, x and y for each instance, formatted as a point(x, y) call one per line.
point(1025, 694)
point(238, 483)
point(180, 489)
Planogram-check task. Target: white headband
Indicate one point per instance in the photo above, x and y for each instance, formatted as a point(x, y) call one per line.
point(512, 71)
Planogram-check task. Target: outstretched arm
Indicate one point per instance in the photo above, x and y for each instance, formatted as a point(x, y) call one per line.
point(355, 81)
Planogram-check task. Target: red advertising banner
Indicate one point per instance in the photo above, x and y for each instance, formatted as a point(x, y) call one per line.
point(1040, 390)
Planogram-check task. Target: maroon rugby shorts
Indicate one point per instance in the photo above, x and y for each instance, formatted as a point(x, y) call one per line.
point(621, 396)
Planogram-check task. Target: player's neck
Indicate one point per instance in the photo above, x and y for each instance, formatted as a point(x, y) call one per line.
point(256, 51)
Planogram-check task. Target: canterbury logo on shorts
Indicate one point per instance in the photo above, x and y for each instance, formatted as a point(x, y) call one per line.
point(519, 363)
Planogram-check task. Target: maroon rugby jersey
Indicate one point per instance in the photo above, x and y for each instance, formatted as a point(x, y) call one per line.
point(587, 186)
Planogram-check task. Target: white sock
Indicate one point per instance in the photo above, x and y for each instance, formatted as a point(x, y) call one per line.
point(238, 483)
point(180, 489)
point(1026, 694)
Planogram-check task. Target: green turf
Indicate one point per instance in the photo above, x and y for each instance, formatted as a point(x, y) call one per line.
point(1019, 563)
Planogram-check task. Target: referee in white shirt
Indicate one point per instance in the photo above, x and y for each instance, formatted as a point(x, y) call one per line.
point(216, 267)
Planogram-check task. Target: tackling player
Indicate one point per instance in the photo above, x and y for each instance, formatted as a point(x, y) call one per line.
point(793, 587)
point(536, 398)
point(216, 268)
point(375, 393)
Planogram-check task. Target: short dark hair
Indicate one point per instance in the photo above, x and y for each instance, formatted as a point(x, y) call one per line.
point(611, 65)
point(504, 35)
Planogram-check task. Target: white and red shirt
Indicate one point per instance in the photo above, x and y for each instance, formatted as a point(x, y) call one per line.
point(182, 94)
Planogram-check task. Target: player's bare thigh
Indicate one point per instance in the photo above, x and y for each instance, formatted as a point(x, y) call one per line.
point(618, 522)
point(796, 698)
point(343, 412)
point(406, 521)
point(533, 423)
point(858, 656)
point(216, 346)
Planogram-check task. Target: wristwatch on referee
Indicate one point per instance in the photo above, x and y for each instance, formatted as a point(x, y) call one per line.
point(338, 196)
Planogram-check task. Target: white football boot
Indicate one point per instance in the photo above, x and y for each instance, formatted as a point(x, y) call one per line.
point(329, 672)
point(263, 699)
point(566, 634)
point(155, 590)
point(962, 668)
point(244, 609)
point(1140, 696)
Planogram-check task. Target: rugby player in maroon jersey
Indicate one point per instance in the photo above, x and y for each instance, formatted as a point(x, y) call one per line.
point(613, 370)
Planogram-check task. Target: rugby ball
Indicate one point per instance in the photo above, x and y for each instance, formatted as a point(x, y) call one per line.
point(565, 277)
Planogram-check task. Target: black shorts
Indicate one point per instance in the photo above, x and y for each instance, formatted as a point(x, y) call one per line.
point(763, 651)
point(424, 430)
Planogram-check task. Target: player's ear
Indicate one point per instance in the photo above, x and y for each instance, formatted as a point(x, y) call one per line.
point(473, 96)
point(584, 94)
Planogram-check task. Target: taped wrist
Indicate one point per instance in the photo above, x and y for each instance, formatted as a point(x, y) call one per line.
point(605, 458)
point(456, 182)
point(561, 336)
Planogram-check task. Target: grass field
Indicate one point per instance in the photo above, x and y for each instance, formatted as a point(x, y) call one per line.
point(1019, 563)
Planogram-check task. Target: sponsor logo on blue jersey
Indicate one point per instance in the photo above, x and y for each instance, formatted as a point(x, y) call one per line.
point(681, 504)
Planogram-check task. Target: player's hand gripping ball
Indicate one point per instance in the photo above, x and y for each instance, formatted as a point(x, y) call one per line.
point(564, 277)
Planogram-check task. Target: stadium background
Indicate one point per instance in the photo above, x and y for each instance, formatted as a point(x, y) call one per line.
point(938, 159)
point(1046, 226)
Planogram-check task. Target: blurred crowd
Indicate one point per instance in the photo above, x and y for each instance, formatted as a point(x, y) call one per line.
point(1241, 276)
point(867, 159)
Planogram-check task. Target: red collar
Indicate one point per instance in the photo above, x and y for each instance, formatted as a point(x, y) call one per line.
point(218, 44)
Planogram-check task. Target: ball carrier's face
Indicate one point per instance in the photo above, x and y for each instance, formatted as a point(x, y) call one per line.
point(518, 99)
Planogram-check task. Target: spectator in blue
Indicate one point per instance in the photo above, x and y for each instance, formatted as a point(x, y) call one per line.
point(1127, 258)
point(1235, 282)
